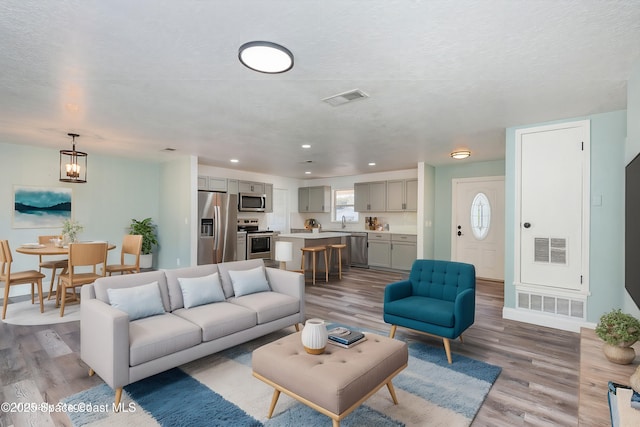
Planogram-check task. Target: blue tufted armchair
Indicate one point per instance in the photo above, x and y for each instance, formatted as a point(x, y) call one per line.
point(439, 298)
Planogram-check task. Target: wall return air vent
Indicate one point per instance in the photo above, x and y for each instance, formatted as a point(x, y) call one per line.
point(345, 97)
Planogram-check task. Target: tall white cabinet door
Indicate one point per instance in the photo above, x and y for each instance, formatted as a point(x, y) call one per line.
point(554, 195)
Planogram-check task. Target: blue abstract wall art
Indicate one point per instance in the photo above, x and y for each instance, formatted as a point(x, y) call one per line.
point(40, 207)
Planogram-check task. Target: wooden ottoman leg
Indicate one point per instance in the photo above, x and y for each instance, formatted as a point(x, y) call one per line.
point(274, 400)
point(392, 392)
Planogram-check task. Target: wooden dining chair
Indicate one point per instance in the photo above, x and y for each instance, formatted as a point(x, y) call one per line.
point(131, 247)
point(81, 256)
point(17, 278)
point(53, 263)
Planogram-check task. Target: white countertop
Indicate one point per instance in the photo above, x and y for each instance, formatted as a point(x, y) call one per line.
point(309, 236)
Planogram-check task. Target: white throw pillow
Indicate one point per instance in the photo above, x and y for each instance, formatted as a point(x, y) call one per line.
point(138, 301)
point(201, 290)
point(247, 282)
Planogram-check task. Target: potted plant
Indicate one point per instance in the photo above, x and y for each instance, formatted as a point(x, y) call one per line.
point(148, 230)
point(619, 331)
point(70, 231)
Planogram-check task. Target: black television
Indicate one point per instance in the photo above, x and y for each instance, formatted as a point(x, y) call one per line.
point(632, 230)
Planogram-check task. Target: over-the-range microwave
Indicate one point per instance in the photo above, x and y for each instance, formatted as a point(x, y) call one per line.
point(251, 202)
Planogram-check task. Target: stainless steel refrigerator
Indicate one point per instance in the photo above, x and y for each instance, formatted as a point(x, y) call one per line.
point(218, 221)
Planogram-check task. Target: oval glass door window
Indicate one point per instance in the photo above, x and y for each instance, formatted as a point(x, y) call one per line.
point(480, 216)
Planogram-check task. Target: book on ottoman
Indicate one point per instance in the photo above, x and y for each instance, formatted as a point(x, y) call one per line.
point(344, 337)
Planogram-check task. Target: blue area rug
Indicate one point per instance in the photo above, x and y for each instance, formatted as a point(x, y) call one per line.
point(219, 390)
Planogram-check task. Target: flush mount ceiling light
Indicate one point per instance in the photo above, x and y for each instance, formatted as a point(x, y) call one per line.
point(73, 164)
point(460, 154)
point(266, 57)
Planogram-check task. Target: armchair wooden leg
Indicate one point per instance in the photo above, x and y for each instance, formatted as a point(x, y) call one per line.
point(297, 325)
point(447, 349)
point(118, 397)
point(91, 372)
point(392, 333)
point(461, 340)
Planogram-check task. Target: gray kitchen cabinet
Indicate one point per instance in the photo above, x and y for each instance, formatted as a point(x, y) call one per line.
point(370, 196)
point(212, 183)
point(379, 251)
point(232, 186)
point(402, 195)
point(403, 251)
point(268, 200)
point(314, 199)
point(251, 187)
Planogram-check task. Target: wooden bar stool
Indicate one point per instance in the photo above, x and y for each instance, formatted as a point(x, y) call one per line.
point(339, 247)
point(313, 250)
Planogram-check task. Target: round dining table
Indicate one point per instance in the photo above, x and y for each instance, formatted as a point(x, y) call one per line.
point(50, 249)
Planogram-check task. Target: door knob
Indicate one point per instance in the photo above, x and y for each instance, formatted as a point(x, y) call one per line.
point(527, 225)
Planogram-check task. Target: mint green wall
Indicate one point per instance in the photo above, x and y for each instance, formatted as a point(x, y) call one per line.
point(117, 190)
point(608, 132)
point(632, 149)
point(443, 177)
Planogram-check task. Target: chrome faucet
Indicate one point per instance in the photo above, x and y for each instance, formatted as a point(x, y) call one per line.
point(344, 222)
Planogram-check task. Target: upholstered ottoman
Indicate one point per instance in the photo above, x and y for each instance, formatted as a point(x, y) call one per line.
point(334, 383)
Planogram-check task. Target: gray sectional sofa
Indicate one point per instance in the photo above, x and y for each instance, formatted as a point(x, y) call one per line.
point(137, 325)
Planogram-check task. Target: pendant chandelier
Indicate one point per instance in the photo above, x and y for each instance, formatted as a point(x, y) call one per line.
point(73, 164)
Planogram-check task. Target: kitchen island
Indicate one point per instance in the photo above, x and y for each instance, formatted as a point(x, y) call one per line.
point(303, 240)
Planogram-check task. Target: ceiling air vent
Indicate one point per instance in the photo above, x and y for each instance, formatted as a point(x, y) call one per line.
point(343, 98)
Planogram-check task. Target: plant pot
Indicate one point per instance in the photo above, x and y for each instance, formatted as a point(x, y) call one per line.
point(146, 260)
point(618, 354)
point(314, 336)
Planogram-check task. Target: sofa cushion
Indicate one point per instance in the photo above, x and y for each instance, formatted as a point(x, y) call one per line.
point(225, 267)
point(175, 292)
point(138, 301)
point(218, 319)
point(247, 282)
point(201, 290)
point(269, 306)
point(423, 309)
point(157, 336)
point(129, 281)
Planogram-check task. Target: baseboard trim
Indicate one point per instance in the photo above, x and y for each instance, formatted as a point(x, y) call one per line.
point(541, 319)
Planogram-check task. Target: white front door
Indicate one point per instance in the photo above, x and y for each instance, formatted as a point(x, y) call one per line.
point(554, 188)
point(478, 225)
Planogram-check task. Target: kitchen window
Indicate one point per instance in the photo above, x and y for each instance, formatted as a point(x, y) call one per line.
point(343, 205)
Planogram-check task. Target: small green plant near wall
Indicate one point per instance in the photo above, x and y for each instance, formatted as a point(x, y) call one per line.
point(148, 230)
point(618, 328)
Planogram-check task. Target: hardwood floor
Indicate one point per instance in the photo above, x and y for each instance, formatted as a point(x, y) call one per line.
point(540, 366)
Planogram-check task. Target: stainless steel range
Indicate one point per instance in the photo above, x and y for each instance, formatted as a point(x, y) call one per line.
point(259, 242)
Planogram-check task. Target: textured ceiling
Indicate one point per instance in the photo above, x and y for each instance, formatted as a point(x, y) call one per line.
point(135, 77)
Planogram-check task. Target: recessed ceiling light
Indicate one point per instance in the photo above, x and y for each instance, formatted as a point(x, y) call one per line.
point(460, 154)
point(234, 160)
point(372, 163)
point(265, 57)
point(306, 145)
point(307, 173)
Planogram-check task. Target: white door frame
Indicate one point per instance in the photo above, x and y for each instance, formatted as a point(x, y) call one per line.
point(454, 210)
point(586, 201)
